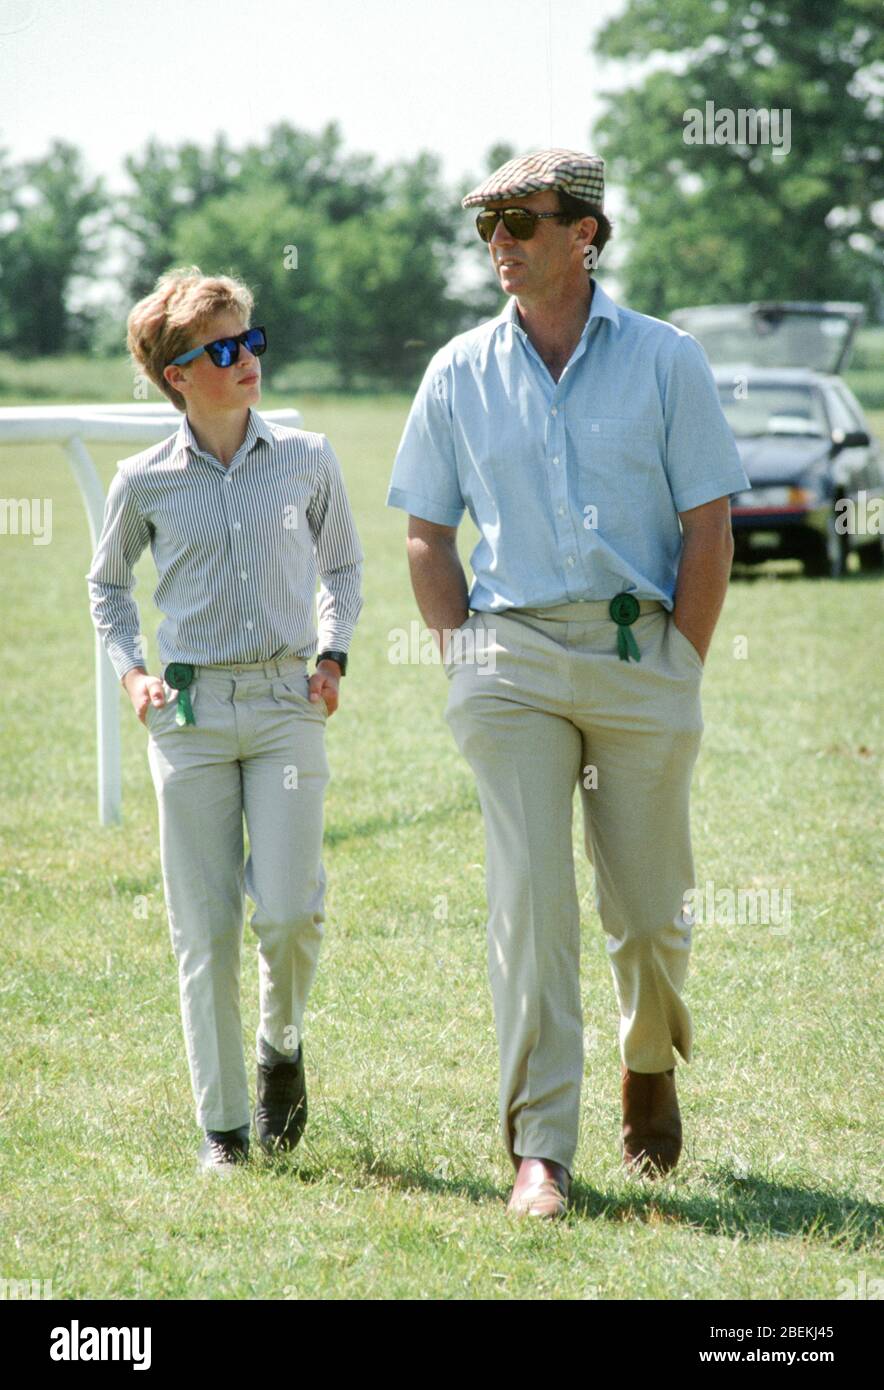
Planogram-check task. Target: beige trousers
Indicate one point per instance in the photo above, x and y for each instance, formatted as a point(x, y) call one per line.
point(543, 704)
point(257, 751)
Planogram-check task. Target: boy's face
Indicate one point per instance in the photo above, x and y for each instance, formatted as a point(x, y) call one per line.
point(208, 388)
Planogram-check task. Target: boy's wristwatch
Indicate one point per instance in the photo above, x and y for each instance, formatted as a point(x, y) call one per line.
point(339, 657)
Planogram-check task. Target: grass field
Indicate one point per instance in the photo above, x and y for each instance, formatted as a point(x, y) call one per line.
point(398, 1187)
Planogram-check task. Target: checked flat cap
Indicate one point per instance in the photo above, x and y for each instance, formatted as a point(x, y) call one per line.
point(581, 175)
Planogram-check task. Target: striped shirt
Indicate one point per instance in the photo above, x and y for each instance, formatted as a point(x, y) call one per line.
point(237, 550)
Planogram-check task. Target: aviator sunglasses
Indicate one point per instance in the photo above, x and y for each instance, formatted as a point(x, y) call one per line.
point(225, 351)
point(519, 222)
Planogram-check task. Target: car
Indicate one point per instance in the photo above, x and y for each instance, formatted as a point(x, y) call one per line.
point(817, 472)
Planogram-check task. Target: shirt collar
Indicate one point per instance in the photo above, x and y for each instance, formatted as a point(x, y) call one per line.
point(256, 429)
point(602, 306)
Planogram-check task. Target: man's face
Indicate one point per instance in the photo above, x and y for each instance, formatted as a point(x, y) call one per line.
point(210, 388)
point(535, 267)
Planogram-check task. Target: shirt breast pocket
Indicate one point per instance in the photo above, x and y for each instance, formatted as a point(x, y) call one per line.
point(619, 468)
point(611, 450)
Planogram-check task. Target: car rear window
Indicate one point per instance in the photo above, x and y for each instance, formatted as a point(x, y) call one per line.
point(777, 410)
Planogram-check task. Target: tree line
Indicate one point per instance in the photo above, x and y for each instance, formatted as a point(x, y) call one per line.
point(362, 265)
point(350, 263)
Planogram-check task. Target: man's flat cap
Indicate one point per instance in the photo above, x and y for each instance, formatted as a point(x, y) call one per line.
point(581, 175)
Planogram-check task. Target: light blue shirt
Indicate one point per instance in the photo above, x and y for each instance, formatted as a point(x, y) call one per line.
point(575, 485)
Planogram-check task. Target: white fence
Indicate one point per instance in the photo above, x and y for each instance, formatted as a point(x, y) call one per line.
point(74, 427)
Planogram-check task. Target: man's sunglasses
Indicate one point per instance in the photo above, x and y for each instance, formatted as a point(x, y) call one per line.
point(519, 222)
point(225, 351)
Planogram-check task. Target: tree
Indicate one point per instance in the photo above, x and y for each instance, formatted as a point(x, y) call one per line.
point(260, 236)
point(383, 306)
point(314, 171)
point(387, 276)
point(720, 222)
point(51, 214)
point(170, 185)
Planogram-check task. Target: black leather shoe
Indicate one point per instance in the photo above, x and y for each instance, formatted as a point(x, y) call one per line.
point(281, 1108)
point(222, 1148)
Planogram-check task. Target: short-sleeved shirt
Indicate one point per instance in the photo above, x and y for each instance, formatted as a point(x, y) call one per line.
point(575, 485)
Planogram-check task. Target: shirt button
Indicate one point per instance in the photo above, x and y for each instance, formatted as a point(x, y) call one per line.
point(561, 511)
point(555, 410)
point(250, 624)
point(556, 459)
point(570, 560)
point(237, 526)
point(243, 575)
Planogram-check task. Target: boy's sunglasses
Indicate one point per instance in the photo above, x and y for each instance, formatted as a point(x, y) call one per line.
point(225, 351)
point(519, 222)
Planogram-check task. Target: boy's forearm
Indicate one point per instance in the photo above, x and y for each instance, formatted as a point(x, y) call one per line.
point(132, 671)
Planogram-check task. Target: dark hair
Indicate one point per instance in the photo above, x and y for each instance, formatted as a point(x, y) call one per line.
point(576, 208)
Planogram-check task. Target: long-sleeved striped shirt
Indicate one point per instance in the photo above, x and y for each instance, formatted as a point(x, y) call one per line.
point(237, 550)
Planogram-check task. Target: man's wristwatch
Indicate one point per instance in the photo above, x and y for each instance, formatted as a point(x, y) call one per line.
point(339, 657)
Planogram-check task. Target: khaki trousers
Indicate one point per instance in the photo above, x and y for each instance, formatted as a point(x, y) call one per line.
point(559, 709)
point(257, 750)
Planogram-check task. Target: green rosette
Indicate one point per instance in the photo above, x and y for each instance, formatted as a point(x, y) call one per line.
point(624, 609)
point(180, 675)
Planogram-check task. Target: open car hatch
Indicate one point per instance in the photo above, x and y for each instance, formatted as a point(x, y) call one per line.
point(774, 333)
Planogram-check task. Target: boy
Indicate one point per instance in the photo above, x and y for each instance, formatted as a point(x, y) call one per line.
point(240, 515)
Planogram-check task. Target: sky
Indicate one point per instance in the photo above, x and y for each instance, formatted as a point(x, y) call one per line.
point(400, 76)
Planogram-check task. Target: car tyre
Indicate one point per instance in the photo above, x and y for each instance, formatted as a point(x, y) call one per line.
point(826, 556)
point(871, 556)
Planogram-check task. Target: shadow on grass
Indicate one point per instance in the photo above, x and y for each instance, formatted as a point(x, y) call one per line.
point(751, 1206)
point(414, 1177)
point(743, 1205)
point(379, 1172)
point(731, 1203)
point(375, 825)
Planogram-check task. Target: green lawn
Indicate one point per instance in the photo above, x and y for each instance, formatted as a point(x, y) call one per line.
point(398, 1187)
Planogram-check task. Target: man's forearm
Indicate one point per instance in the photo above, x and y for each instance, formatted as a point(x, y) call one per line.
point(439, 584)
point(703, 576)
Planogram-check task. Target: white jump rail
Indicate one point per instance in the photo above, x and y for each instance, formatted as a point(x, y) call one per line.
point(74, 427)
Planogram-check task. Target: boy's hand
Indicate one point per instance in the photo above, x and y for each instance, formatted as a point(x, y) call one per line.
point(143, 690)
point(324, 682)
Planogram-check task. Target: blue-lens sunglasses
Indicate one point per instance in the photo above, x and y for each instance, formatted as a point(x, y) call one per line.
point(225, 351)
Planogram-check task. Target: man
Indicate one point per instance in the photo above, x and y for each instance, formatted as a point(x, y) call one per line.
point(578, 434)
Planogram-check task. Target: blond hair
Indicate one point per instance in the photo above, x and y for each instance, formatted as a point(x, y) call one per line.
point(161, 326)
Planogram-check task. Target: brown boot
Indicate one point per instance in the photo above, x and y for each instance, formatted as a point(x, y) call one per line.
point(651, 1136)
point(541, 1189)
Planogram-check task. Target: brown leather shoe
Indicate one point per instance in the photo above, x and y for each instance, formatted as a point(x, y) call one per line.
point(541, 1189)
point(651, 1135)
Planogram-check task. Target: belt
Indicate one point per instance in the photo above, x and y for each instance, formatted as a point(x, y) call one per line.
point(623, 609)
point(273, 666)
point(180, 676)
